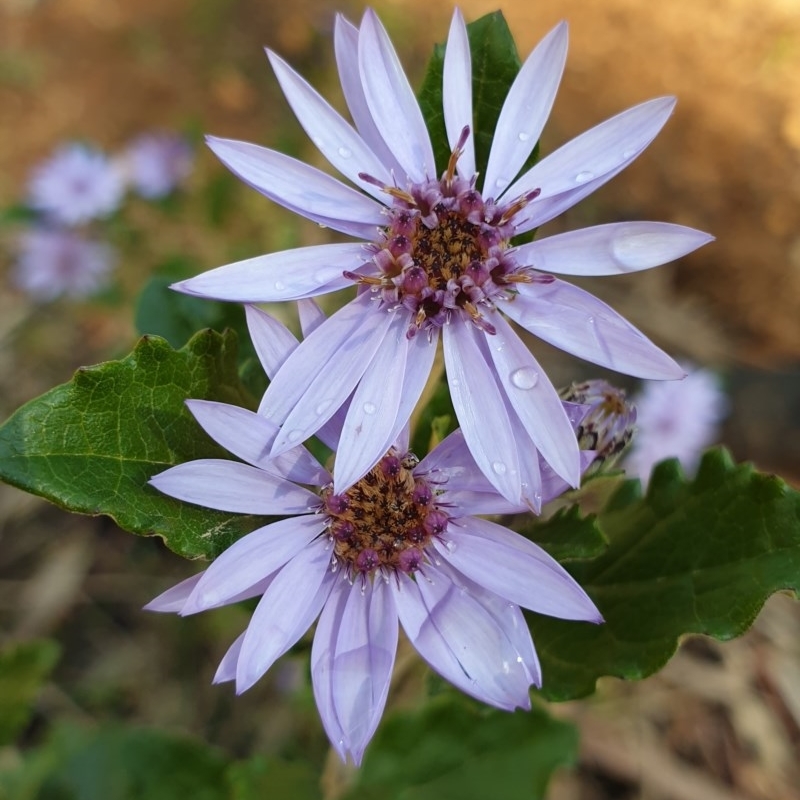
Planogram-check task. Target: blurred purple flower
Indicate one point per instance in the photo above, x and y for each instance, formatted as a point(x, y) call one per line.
point(157, 163)
point(401, 545)
point(75, 185)
point(54, 262)
point(676, 420)
point(439, 259)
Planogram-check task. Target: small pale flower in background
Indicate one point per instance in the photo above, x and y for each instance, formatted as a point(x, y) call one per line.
point(439, 260)
point(55, 262)
point(679, 420)
point(75, 185)
point(155, 164)
point(401, 547)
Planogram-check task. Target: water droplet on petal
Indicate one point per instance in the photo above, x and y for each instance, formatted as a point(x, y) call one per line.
point(345, 152)
point(450, 546)
point(519, 659)
point(584, 176)
point(280, 286)
point(370, 408)
point(525, 378)
point(634, 252)
point(501, 183)
point(629, 153)
point(499, 467)
point(455, 383)
point(523, 137)
point(293, 436)
point(322, 407)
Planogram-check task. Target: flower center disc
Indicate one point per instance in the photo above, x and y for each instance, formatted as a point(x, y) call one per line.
point(384, 521)
point(447, 250)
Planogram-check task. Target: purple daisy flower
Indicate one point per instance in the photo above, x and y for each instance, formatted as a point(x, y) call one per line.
point(676, 420)
point(77, 184)
point(55, 262)
point(438, 258)
point(401, 545)
point(156, 163)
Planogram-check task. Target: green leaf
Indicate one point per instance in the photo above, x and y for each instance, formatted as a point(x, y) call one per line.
point(495, 64)
point(18, 215)
point(454, 749)
point(24, 667)
point(177, 317)
point(91, 445)
point(696, 556)
point(568, 535)
point(118, 763)
point(263, 777)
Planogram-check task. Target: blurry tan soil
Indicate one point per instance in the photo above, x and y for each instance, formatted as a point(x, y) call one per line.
point(723, 721)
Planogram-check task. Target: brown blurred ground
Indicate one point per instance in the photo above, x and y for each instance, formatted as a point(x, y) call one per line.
point(724, 720)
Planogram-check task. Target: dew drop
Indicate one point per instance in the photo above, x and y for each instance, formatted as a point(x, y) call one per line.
point(635, 251)
point(293, 436)
point(584, 176)
point(322, 407)
point(525, 378)
point(629, 153)
point(450, 546)
point(519, 659)
point(345, 152)
point(523, 137)
point(455, 383)
point(370, 408)
point(501, 183)
point(280, 286)
point(499, 467)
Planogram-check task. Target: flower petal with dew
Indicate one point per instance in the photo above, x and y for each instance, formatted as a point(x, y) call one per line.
point(401, 546)
point(437, 253)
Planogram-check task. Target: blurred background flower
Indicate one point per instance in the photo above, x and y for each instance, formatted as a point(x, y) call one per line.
point(154, 164)
point(676, 419)
point(75, 185)
point(52, 262)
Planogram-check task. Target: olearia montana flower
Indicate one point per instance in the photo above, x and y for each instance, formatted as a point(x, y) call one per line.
point(76, 184)
point(435, 256)
point(401, 545)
